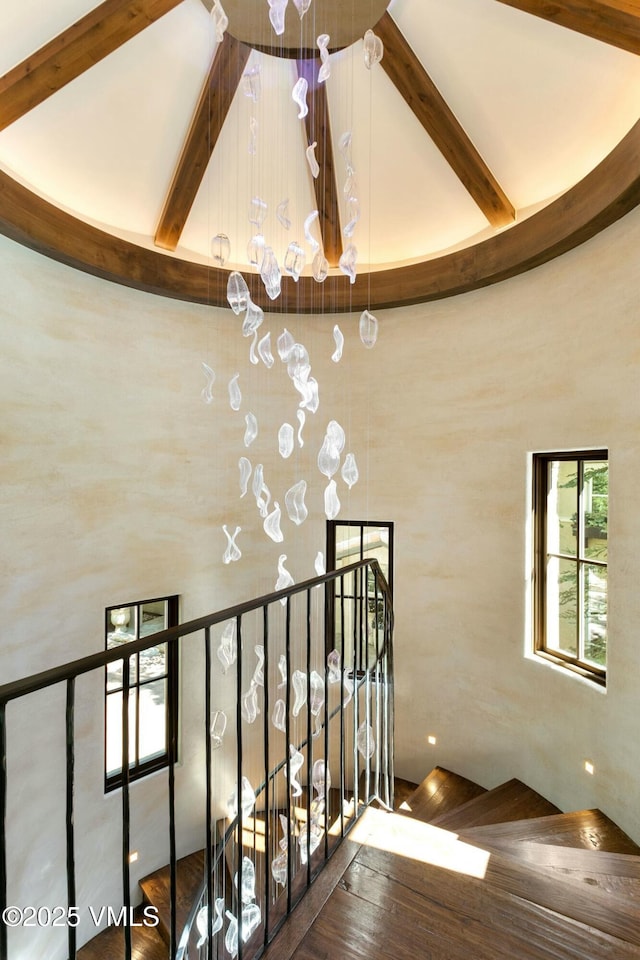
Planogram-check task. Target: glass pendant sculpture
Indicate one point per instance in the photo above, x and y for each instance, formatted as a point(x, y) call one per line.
point(328, 457)
point(294, 502)
point(235, 395)
point(253, 357)
point(365, 741)
point(248, 891)
point(232, 552)
point(220, 20)
point(325, 69)
point(231, 936)
point(308, 223)
point(252, 149)
point(253, 318)
point(264, 351)
point(320, 267)
point(349, 470)
point(316, 692)
point(272, 524)
point(237, 292)
point(217, 728)
point(252, 84)
point(319, 564)
point(285, 441)
point(284, 577)
point(348, 261)
point(261, 491)
point(202, 921)
point(294, 260)
point(227, 650)
point(285, 343)
point(331, 501)
point(301, 420)
point(251, 429)
point(302, 6)
point(207, 391)
point(258, 673)
point(270, 274)
point(373, 49)
point(247, 800)
point(338, 339)
point(299, 96)
point(249, 708)
point(257, 212)
point(255, 250)
point(336, 435)
point(296, 759)
point(353, 214)
point(220, 249)
point(344, 145)
point(298, 365)
point(314, 166)
point(245, 472)
point(282, 213)
point(277, 9)
point(333, 666)
point(321, 777)
point(368, 329)
point(277, 718)
point(299, 684)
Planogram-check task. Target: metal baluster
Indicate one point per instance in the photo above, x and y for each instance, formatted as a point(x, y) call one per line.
point(309, 748)
point(3, 827)
point(326, 745)
point(173, 872)
point(126, 813)
point(356, 691)
point(342, 676)
point(267, 852)
point(378, 681)
point(287, 723)
point(71, 865)
point(207, 760)
point(367, 682)
point(240, 817)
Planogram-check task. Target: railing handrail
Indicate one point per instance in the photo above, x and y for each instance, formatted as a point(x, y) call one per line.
point(75, 668)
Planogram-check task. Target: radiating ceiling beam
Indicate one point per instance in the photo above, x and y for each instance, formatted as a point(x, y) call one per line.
point(216, 96)
point(612, 21)
point(421, 94)
point(73, 51)
point(318, 129)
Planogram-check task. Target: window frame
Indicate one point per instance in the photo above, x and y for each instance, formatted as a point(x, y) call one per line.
point(141, 768)
point(540, 467)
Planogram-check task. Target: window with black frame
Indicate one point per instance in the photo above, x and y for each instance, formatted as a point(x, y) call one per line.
point(571, 509)
point(347, 542)
point(153, 686)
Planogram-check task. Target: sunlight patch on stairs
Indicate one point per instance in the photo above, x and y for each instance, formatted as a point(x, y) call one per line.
point(419, 841)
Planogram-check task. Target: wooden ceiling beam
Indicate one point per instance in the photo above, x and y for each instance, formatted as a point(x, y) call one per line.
point(216, 96)
point(318, 130)
point(73, 51)
point(616, 22)
point(421, 94)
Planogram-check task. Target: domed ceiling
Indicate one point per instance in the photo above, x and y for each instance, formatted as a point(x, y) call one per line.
point(492, 135)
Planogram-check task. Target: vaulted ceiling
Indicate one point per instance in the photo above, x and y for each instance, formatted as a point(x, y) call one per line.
point(493, 135)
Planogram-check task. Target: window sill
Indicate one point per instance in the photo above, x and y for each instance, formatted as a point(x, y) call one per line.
point(566, 666)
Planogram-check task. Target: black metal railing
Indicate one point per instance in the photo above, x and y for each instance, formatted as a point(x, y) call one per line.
point(328, 641)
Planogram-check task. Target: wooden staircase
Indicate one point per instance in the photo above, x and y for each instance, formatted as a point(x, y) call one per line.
point(457, 872)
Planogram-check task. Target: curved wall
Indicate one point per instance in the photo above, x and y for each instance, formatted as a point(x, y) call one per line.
point(117, 478)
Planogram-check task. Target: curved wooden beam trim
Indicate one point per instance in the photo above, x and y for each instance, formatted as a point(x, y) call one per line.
point(216, 97)
point(64, 58)
point(425, 100)
point(611, 21)
point(611, 190)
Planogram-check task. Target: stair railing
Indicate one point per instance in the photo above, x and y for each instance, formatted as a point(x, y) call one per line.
point(322, 751)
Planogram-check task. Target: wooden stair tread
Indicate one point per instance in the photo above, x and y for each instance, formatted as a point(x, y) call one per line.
point(512, 800)
point(156, 891)
point(589, 829)
point(402, 790)
point(565, 858)
point(440, 792)
point(146, 944)
point(390, 906)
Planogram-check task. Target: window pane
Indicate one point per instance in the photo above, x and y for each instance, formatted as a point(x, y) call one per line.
point(562, 506)
point(114, 673)
point(122, 628)
point(348, 545)
point(595, 602)
point(596, 509)
point(153, 617)
point(562, 605)
point(153, 662)
point(114, 731)
point(153, 719)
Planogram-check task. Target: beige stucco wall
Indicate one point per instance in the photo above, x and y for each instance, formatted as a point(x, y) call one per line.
point(116, 479)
